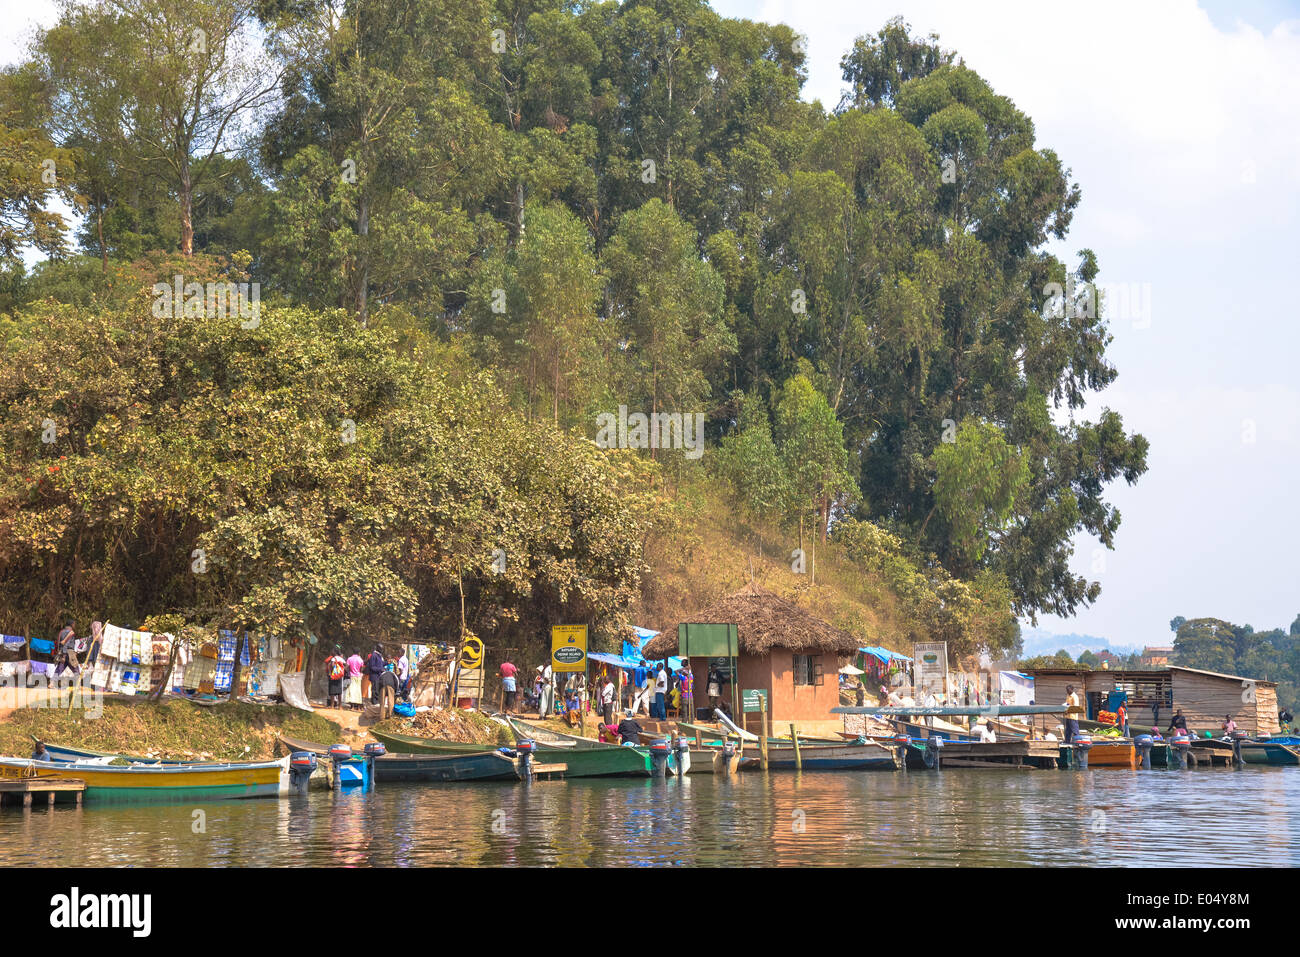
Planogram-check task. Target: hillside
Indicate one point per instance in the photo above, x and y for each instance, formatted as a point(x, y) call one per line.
point(717, 552)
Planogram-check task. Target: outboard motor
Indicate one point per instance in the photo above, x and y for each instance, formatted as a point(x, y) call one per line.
point(373, 750)
point(659, 757)
point(1144, 744)
point(302, 765)
point(901, 742)
point(1082, 745)
point(1182, 746)
point(525, 749)
point(933, 752)
point(1237, 738)
point(683, 749)
point(339, 754)
point(728, 752)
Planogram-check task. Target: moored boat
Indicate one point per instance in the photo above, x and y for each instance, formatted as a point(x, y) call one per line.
point(478, 766)
point(583, 757)
point(159, 783)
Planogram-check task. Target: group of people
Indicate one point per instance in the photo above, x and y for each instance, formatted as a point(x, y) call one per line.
point(381, 679)
point(650, 689)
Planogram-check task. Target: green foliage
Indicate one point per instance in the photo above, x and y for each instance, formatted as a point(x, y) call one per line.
point(670, 225)
point(300, 477)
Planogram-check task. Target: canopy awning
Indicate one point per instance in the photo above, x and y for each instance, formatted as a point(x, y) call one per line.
point(619, 661)
point(884, 654)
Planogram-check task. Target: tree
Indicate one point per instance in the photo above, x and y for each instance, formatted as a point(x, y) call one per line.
point(877, 66)
point(177, 76)
point(812, 452)
point(300, 477)
point(1176, 622)
point(668, 303)
point(978, 477)
point(546, 328)
point(36, 171)
point(750, 463)
point(383, 152)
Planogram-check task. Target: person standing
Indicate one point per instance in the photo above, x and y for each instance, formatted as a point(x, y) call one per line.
point(67, 651)
point(546, 699)
point(1073, 708)
point(1155, 712)
point(686, 684)
point(403, 676)
point(644, 689)
point(352, 684)
point(508, 675)
point(375, 667)
point(661, 693)
point(607, 700)
point(1121, 719)
point(336, 669)
point(1229, 726)
point(713, 687)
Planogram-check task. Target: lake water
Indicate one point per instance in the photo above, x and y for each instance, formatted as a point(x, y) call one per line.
point(1207, 817)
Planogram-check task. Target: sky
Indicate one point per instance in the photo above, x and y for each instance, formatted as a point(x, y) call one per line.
point(1181, 123)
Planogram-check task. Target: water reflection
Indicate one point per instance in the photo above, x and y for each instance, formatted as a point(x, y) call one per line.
point(1100, 817)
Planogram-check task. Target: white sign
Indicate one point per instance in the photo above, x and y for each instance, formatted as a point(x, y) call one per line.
point(931, 668)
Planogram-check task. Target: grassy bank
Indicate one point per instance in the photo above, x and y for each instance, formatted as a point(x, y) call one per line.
point(168, 729)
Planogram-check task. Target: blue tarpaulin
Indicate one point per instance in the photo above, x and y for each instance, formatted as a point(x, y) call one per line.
point(619, 661)
point(884, 654)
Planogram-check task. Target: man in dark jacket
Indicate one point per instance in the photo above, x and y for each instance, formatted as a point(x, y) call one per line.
point(629, 731)
point(1178, 722)
point(375, 668)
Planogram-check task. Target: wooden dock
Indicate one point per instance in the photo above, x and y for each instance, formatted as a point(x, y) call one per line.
point(549, 770)
point(19, 793)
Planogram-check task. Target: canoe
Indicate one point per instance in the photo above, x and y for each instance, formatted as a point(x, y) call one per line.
point(160, 783)
point(836, 757)
point(425, 768)
point(583, 757)
point(59, 752)
point(412, 744)
point(1269, 752)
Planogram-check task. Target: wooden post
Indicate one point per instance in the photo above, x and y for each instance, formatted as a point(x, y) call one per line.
point(762, 742)
point(798, 758)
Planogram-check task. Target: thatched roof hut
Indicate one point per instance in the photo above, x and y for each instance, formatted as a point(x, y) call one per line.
point(766, 621)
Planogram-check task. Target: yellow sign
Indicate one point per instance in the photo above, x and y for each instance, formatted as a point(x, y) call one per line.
point(569, 647)
point(471, 653)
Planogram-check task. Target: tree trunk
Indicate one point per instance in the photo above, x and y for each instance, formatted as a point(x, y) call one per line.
point(239, 654)
point(187, 211)
point(363, 282)
point(103, 250)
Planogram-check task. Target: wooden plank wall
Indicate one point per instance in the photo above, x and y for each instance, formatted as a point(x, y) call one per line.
point(1205, 699)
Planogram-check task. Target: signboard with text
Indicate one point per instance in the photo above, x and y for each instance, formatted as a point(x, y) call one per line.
point(754, 700)
point(931, 668)
point(569, 647)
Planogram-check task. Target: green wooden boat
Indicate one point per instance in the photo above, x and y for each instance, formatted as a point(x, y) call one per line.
point(583, 757)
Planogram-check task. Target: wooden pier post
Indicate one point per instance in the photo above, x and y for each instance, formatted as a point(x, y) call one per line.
point(798, 758)
point(762, 744)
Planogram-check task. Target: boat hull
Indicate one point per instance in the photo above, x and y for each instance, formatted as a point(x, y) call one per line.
point(583, 757)
point(409, 744)
point(1275, 755)
point(482, 766)
point(158, 783)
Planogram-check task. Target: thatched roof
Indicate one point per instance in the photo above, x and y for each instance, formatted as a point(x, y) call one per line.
point(766, 621)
